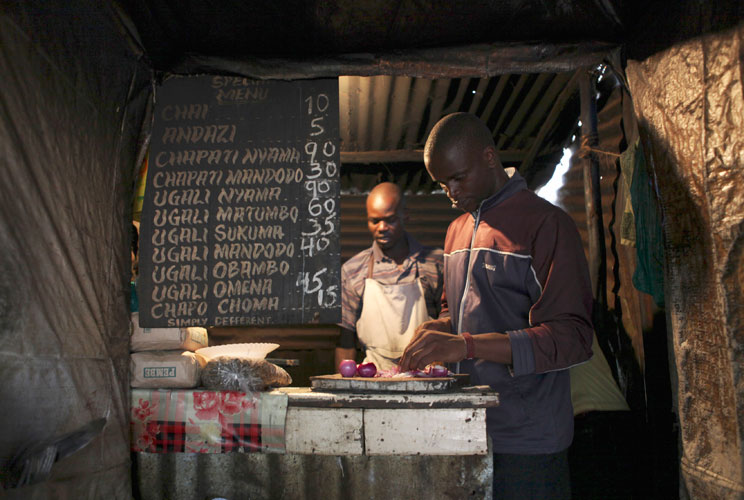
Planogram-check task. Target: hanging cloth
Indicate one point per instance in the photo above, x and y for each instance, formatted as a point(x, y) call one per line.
point(648, 276)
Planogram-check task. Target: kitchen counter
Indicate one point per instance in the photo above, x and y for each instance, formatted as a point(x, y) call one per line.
point(353, 423)
point(305, 421)
point(335, 445)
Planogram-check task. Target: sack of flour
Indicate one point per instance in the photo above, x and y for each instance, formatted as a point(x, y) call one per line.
point(165, 339)
point(164, 370)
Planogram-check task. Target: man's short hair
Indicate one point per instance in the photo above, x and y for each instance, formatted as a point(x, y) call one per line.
point(455, 128)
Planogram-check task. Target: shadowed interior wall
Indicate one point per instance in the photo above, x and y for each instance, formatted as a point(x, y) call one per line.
point(72, 96)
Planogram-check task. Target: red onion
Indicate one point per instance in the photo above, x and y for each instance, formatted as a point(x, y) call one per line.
point(437, 370)
point(366, 369)
point(347, 368)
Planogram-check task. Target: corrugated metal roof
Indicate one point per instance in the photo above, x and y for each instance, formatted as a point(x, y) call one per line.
point(385, 120)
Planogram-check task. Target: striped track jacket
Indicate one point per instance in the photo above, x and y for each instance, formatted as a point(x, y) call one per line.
point(517, 266)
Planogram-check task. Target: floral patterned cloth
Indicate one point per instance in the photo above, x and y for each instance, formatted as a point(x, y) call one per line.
point(204, 421)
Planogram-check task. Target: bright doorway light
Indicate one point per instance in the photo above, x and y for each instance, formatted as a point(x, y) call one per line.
point(550, 190)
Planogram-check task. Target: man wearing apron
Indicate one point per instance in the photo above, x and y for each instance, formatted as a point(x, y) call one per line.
point(389, 288)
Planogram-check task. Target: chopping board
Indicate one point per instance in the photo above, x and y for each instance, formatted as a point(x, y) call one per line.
point(336, 382)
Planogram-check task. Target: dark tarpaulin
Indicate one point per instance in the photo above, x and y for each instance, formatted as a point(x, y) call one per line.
point(72, 97)
point(306, 30)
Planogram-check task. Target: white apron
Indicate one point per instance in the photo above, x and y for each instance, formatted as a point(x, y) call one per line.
point(390, 315)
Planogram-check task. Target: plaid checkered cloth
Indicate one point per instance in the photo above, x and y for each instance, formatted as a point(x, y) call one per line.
point(204, 421)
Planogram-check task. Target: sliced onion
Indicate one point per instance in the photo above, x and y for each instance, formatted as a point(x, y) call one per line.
point(435, 370)
point(366, 369)
point(347, 368)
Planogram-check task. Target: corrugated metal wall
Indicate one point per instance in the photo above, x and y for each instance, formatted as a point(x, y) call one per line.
point(260, 476)
point(429, 216)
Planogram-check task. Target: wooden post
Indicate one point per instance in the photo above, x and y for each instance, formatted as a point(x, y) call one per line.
point(592, 190)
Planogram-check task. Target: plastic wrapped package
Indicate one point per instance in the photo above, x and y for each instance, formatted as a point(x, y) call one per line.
point(230, 373)
point(165, 370)
point(164, 339)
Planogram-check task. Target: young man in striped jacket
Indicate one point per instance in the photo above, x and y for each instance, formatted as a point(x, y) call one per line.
point(517, 297)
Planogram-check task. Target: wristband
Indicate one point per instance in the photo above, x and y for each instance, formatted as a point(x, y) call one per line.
point(469, 345)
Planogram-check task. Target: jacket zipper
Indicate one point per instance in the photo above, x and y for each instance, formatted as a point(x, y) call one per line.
point(460, 314)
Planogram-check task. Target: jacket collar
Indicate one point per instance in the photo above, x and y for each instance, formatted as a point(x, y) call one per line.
point(515, 184)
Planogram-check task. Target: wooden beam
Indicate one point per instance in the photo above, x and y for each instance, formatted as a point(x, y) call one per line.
point(555, 111)
point(495, 96)
point(417, 107)
point(364, 109)
point(592, 190)
point(441, 87)
point(382, 86)
point(480, 60)
point(459, 96)
point(520, 115)
point(478, 96)
point(506, 110)
point(546, 101)
point(408, 156)
point(344, 111)
point(398, 104)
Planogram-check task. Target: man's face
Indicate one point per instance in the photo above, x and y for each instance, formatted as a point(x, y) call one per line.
point(385, 221)
point(467, 175)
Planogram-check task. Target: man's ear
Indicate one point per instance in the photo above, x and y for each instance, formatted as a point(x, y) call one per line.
point(491, 156)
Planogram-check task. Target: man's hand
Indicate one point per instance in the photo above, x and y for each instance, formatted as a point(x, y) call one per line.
point(433, 342)
point(438, 325)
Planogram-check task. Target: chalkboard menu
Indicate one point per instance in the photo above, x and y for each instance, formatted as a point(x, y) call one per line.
point(240, 220)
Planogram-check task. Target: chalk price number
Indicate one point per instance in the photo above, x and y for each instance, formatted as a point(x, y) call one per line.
point(327, 295)
point(323, 168)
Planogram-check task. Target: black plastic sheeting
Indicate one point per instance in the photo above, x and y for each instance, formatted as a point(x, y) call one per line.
point(72, 97)
point(312, 29)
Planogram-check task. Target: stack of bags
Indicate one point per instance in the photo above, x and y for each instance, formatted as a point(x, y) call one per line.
point(163, 358)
